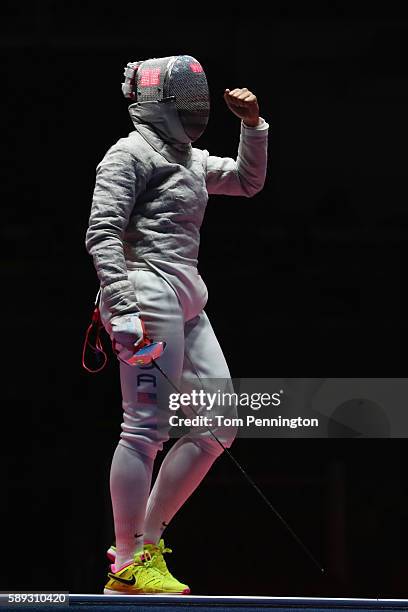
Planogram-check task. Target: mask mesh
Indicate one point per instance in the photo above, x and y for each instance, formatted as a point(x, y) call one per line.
point(188, 84)
point(183, 78)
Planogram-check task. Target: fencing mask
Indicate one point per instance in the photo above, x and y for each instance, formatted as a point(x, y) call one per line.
point(178, 81)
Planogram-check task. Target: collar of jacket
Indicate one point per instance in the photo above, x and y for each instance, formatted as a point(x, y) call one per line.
point(159, 124)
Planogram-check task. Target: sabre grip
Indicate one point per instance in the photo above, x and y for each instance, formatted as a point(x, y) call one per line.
point(145, 355)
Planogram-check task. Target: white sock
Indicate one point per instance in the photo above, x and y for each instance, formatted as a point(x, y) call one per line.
point(130, 479)
point(182, 470)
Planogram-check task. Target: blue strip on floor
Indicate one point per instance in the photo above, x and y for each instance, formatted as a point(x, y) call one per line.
point(174, 603)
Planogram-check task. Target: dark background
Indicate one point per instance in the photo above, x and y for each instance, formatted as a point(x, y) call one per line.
point(314, 265)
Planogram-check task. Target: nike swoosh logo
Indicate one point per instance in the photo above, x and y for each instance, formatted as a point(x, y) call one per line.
point(128, 581)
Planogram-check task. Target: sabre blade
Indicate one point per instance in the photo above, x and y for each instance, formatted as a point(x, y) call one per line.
point(251, 481)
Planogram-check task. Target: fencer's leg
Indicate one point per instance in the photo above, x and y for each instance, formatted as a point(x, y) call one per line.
point(130, 479)
point(190, 458)
point(205, 368)
point(182, 470)
point(145, 413)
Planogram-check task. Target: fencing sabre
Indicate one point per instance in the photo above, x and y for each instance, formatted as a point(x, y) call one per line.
point(148, 354)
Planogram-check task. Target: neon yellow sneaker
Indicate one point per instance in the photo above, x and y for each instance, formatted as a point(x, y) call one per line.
point(156, 552)
point(142, 578)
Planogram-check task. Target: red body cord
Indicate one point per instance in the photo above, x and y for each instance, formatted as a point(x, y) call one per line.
point(98, 348)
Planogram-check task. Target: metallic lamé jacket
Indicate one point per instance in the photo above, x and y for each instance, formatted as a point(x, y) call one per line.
point(150, 195)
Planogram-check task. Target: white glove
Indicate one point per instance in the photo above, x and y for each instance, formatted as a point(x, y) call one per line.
point(128, 332)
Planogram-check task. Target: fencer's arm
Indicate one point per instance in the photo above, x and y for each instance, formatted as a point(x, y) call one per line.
point(116, 187)
point(245, 175)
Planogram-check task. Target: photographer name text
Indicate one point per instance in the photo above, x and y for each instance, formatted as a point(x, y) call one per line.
point(249, 420)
